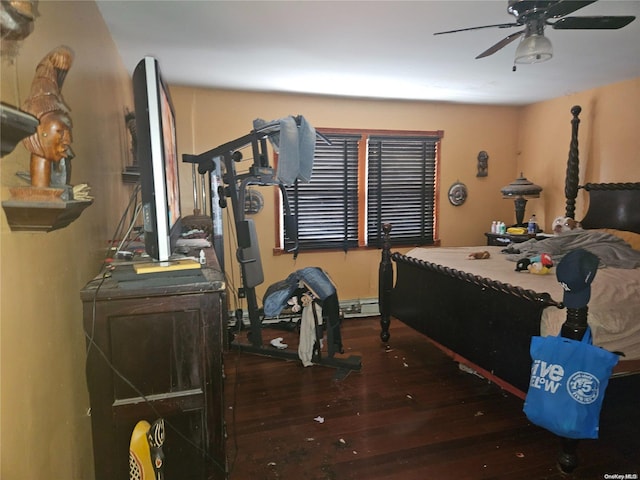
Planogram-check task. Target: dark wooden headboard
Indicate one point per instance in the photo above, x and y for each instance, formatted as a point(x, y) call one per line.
point(611, 205)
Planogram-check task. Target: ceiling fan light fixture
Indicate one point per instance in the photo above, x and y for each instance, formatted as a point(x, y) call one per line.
point(534, 48)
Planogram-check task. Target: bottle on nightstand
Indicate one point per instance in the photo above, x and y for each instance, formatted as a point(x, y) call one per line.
point(532, 227)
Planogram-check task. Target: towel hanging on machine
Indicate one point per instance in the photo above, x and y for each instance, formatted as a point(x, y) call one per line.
point(310, 333)
point(294, 139)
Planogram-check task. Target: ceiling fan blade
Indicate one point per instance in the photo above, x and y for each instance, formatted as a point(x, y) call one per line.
point(501, 44)
point(592, 23)
point(565, 7)
point(498, 25)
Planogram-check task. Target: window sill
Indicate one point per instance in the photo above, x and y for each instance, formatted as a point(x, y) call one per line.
point(278, 251)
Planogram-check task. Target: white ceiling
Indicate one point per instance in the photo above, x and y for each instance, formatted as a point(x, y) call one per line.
point(376, 49)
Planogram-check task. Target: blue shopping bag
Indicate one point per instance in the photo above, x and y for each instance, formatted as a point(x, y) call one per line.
point(567, 385)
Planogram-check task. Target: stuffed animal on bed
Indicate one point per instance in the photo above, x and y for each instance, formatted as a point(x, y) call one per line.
point(538, 268)
point(564, 224)
point(479, 255)
point(539, 264)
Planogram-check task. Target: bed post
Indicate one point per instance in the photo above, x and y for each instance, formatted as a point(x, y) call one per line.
point(573, 166)
point(385, 283)
point(575, 325)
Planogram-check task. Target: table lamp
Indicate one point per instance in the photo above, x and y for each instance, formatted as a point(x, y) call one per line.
point(520, 190)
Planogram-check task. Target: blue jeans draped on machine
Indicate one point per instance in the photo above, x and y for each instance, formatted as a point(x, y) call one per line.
point(318, 283)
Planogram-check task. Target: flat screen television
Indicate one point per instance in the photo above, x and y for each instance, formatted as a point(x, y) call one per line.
point(158, 160)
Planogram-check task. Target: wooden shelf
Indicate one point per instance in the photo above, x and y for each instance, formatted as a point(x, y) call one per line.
point(42, 216)
point(16, 125)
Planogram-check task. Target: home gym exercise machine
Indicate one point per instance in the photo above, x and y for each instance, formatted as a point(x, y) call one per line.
point(220, 164)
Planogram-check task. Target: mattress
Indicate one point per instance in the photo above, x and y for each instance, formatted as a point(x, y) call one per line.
point(614, 308)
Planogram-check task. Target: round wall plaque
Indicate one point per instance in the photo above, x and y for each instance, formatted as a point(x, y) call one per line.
point(457, 194)
point(253, 202)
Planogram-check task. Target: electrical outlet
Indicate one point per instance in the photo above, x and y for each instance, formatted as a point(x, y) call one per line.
point(241, 293)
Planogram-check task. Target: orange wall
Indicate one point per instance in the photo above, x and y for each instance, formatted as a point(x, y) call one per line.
point(533, 140)
point(45, 429)
point(609, 143)
point(208, 118)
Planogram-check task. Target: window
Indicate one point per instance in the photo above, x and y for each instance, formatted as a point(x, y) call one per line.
point(363, 180)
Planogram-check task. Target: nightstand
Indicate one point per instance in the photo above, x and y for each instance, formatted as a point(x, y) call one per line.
point(504, 239)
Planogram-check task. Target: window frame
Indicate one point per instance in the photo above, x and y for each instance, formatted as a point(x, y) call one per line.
point(362, 185)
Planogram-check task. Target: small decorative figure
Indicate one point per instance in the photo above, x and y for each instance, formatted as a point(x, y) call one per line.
point(155, 437)
point(130, 122)
point(51, 142)
point(483, 164)
point(146, 457)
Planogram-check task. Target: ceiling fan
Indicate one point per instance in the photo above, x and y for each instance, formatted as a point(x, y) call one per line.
point(534, 16)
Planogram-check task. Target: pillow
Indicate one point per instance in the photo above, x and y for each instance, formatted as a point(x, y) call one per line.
point(631, 238)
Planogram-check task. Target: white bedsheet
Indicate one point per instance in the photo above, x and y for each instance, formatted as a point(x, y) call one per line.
point(614, 309)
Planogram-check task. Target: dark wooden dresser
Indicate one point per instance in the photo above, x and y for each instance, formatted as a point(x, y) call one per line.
point(154, 350)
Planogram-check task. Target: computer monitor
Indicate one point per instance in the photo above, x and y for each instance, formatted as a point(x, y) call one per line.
point(158, 160)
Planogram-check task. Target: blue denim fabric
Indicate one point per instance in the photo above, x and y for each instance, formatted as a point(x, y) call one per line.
point(279, 293)
point(317, 280)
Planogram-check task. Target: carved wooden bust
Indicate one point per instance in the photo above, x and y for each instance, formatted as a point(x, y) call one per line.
point(51, 143)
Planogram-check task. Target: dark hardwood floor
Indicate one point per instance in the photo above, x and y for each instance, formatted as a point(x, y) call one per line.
point(409, 414)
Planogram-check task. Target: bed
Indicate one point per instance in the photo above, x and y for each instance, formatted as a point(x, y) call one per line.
point(483, 313)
